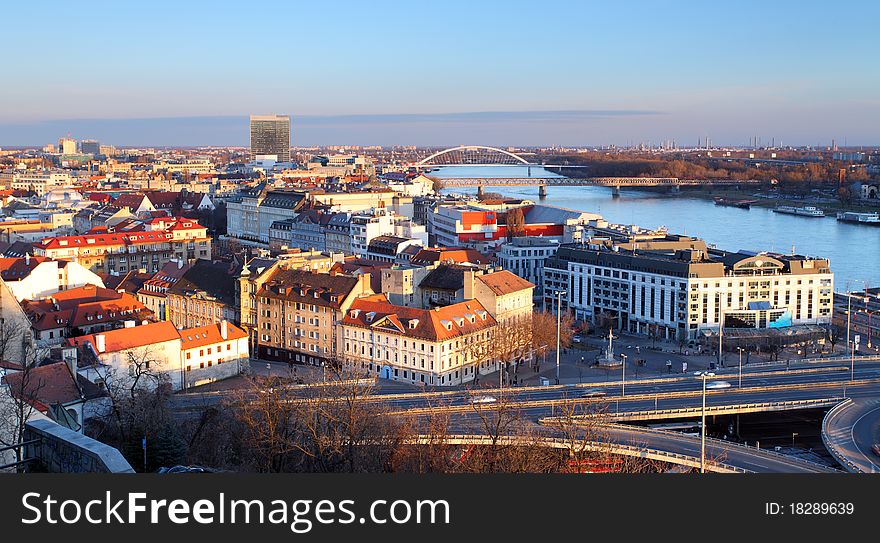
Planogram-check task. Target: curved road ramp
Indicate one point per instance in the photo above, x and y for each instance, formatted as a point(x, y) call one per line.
point(849, 432)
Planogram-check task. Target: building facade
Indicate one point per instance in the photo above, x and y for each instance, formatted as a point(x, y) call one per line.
point(270, 135)
point(679, 288)
point(417, 346)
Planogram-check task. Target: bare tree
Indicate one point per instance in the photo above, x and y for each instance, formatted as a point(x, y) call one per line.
point(19, 394)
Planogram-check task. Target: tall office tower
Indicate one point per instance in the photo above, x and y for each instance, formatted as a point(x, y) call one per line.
point(90, 147)
point(270, 135)
point(67, 146)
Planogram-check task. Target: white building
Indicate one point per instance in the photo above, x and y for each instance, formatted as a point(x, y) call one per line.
point(678, 288)
point(526, 256)
point(41, 182)
point(417, 346)
point(32, 278)
point(176, 358)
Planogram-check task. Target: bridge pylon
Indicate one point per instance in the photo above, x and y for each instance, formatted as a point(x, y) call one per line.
point(542, 191)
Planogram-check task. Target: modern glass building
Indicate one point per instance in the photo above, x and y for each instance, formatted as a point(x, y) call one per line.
point(270, 135)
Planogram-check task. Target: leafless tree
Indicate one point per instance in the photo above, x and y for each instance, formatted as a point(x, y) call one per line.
point(19, 394)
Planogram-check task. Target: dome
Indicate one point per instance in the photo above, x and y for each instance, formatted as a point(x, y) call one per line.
point(61, 197)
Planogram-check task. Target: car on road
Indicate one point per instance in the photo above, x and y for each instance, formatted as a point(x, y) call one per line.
point(706, 373)
point(876, 449)
point(577, 338)
point(483, 399)
point(718, 384)
point(593, 393)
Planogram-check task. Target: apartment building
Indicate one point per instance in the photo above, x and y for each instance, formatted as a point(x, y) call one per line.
point(119, 252)
point(526, 256)
point(417, 346)
point(204, 294)
point(297, 313)
point(40, 182)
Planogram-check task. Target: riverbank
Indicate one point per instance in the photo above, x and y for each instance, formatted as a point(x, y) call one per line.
point(763, 198)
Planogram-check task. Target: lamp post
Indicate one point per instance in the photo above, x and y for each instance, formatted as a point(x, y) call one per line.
point(740, 349)
point(623, 381)
point(720, 337)
point(559, 294)
point(703, 429)
point(852, 362)
point(848, 311)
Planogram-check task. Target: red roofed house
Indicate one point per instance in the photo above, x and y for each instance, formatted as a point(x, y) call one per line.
point(418, 346)
point(55, 391)
point(82, 310)
point(160, 354)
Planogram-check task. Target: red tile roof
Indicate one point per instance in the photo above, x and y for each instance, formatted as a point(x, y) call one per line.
point(209, 335)
point(439, 324)
point(84, 306)
point(51, 384)
point(16, 269)
point(130, 338)
point(504, 282)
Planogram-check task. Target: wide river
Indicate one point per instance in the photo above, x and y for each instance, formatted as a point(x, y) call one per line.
point(853, 250)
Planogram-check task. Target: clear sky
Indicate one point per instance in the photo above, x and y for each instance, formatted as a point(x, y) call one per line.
point(445, 72)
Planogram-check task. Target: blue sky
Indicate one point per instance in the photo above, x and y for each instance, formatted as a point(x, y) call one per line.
point(524, 73)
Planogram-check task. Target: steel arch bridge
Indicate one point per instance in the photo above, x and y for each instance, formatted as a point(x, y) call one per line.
point(473, 155)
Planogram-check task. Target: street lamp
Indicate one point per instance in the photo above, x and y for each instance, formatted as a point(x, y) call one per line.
point(623, 382)
point(852, 361)
point(740, 349)
point(720, 337)
point(703, 428)
point(559, 294)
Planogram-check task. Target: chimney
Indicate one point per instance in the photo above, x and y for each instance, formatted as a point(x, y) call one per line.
point(224, 329)
point(469, 285)
point(100, 346)
point(69, 356)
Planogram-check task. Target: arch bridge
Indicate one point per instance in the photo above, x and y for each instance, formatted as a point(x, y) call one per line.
point(473, 155)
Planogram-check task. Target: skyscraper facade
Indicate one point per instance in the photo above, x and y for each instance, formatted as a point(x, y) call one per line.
point(270, 135)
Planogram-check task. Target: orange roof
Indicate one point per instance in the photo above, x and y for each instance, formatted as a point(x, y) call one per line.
point(15, 269)
point(439, 324)
point(209, 335)
point(504, 282)
point(130, 338)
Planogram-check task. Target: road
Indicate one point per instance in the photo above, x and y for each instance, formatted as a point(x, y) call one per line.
point(851, 430)
point(829, 381)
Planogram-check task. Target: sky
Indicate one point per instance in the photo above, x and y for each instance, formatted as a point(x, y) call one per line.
point(441, 73)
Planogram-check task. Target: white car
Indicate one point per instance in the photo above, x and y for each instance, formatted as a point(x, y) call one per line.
point(483, 399)
point(706, 373)
point(718, 384)
point(593, 393)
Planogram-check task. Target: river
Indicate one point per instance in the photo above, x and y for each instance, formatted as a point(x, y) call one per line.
point(853, 250)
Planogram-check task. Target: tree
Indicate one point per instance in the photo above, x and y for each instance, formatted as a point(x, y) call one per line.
point(137, 408)
point(516, 223)
point(544, 326)
point(19, 393)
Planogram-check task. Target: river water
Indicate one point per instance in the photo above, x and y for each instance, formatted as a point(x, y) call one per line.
point(853, 250)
